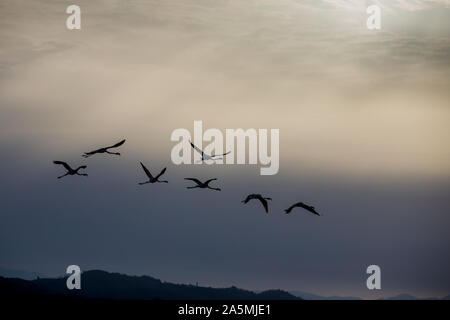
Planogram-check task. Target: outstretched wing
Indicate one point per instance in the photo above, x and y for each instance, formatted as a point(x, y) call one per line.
point(309, 208)
point(63, 164)
point(249, 197)
point(264, 203)
point(118, 144)
point(195, 180)
point(161, 173)
point(195, 148)
point(288, 210)
point(208, 181)
point(146, 171)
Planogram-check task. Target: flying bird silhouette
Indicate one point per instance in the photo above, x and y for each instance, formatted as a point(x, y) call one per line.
point(202, 185)
point(260, 198)
point(104, 150)
point(70, 171)
point(152, 179)
point(302, 205)
point(207, 156)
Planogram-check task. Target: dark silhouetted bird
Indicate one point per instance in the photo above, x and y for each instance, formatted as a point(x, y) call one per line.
point(202, 185)
point(105, 150)
point(70, 171)
point(152, 179)
point(260, 198)
point(302, 205)
point(207, 156)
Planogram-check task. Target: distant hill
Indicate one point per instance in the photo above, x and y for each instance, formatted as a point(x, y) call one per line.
point(312, 296)
point(403, 296)
point(406, 296)
point(22, 274)
point(97, 284)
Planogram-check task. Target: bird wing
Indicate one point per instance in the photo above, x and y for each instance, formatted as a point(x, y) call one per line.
point(196, 148)
point(146, 171)
point(195, 180)
point(290, 208)
point(309, 208)
point(264, 203)
point(314, 211)
point(161, 173)
point(63, 164)
point(208, 181)
point(250, 197)
point(118, 144)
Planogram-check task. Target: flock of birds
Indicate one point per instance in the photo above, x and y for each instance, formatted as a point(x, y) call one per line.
point(198, 184)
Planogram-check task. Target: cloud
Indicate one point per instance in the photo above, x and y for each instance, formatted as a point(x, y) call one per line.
point(389, 5)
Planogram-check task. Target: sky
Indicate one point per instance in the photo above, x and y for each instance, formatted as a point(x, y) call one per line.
point(363, 117)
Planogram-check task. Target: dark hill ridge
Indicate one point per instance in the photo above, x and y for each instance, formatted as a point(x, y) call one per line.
point(97, 284)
